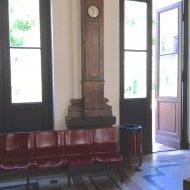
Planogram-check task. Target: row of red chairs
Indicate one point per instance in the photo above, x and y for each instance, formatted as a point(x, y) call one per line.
point(59, 149)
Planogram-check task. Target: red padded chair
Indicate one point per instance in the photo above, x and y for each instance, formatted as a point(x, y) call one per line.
point(105, 147)
point(17, 146)
point(79, 147)
point(48, 151)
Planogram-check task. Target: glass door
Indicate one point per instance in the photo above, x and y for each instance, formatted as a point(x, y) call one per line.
point(136, 67)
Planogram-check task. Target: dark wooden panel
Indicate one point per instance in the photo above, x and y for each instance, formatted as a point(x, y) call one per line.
point(2, 101)
point(185, 137)
point(167, 130)
point(26, 120)
point(1, 97)
point(93, 64)
point(186, 184)
point(90, 122)
point(93, 95)
point(167, 117)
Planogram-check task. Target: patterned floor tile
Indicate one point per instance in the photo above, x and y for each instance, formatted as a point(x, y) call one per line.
point(18, 186)
point(165, 173)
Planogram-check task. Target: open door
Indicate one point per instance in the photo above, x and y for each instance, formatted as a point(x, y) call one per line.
point(168, 75)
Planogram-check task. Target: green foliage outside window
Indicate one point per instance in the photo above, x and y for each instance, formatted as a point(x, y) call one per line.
point(17, 29)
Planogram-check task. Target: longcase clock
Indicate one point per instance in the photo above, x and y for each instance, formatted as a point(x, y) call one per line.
point(93, 105)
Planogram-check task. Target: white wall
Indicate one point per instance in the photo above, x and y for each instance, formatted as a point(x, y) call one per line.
point(111, 54)
point(62, 59)
point(66, 49)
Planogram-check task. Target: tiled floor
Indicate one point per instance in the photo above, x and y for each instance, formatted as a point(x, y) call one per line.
point(159, 171)
point(160, 147)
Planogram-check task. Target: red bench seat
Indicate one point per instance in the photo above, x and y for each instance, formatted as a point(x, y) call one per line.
point(58, 149)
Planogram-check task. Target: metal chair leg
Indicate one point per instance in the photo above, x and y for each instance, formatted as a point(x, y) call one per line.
point(68, 177)
point(121, 173)
point(129, 161)
point(28, 182)
point(28, 179)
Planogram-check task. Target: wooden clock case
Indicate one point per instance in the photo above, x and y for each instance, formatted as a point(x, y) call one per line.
point(92, 109)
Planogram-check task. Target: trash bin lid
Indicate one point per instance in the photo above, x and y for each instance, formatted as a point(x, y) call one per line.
point(131, 127)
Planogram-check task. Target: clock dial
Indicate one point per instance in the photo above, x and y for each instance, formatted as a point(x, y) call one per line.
point(93, 11)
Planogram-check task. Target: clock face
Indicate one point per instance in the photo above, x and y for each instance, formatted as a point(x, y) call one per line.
point(93, 11)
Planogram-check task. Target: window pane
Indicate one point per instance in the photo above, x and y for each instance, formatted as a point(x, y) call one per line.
point(135, 25)
point(24, 26)
point(169, 32)
point(26, 83)
point(135, 75)
point(168, 75)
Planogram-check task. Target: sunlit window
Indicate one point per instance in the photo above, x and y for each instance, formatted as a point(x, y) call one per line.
point(25, 51)
point(135, 49)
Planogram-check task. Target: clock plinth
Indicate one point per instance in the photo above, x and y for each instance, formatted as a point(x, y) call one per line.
point(92, 109)
point(90, 122)
point(83, 118)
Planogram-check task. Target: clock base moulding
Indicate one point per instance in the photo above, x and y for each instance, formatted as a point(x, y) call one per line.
point(90, 122)
point(76, 110)
point(80, 118)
